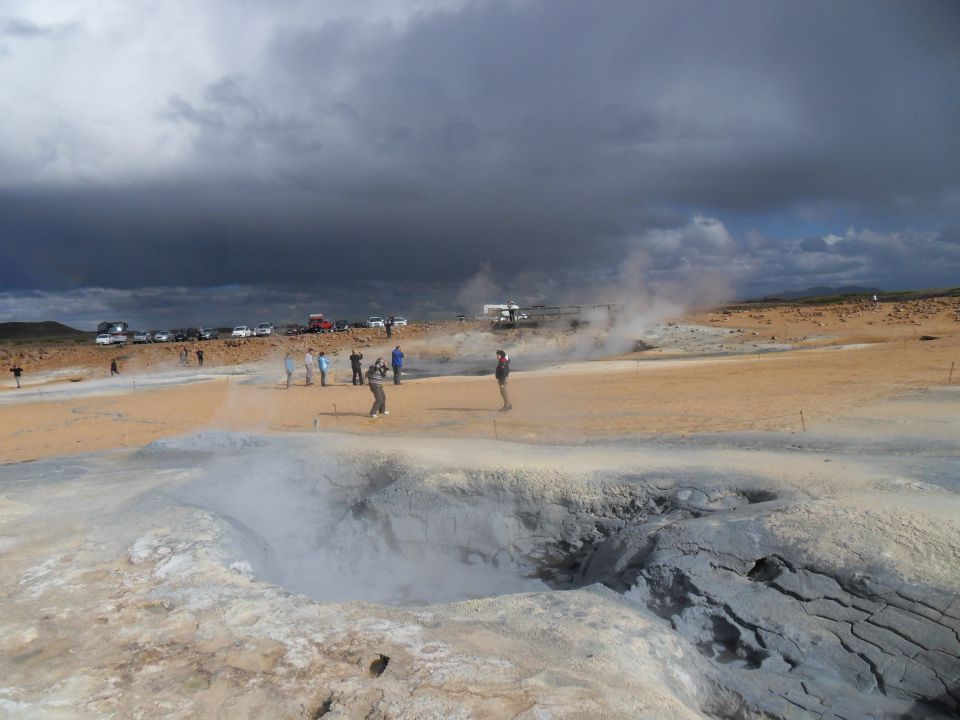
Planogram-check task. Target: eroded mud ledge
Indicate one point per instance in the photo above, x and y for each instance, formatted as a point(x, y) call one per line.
point(711, 582)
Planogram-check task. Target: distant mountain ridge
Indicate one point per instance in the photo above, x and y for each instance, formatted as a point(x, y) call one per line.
point(38, 330)
point(822, 291)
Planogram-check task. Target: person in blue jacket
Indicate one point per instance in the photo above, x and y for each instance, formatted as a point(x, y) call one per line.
point(324, 365)
point(396, 361)
point(288, 366)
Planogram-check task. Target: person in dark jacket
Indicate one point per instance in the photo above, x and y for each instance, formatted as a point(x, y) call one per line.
point(388, 326)
point(355, 360)
point(200, 357)
point(17, 371)
point(502, 373)
point(396, 360)
point(375, 375)
point(113, 368)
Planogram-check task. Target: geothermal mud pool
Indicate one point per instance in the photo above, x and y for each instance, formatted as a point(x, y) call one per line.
point(732, 576)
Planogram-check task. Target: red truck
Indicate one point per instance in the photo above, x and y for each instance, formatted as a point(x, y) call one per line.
point(318, 323)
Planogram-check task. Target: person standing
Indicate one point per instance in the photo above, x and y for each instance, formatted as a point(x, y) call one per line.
point(375, 375)
point(512, 308)
point(288, 366)
point(356, 367)
point(502, 374)
point(17, 371)
point(200, 357)
point(308, 361)
point(388, 325)
point(323, 365)
point(113, 368)
point(396, 361)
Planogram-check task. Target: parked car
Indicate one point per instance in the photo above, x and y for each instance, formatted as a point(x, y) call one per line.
point(179, 335)
point(341, 325)
point(104, 339)
point(162, 336)
point(264, 329)
point(359, 324)
point(291, 330)
point(317, 323)
point(242, 331)
point(118, 338)
point(374, 322)
point(399, 321)
point(141, 336)
point(209, 334)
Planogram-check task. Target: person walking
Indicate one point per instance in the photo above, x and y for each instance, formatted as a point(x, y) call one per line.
point(512, 308)
point(323, 364)
point(113, 368)
point(502, 373)
point(308, 361)
point(375, 375)
point(17, 371)
point(396, 360)
point(355, 360)
point(388, 325)
point(288, 366)
point(200, 357)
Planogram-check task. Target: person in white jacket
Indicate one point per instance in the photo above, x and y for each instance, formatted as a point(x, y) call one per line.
point(308, 361)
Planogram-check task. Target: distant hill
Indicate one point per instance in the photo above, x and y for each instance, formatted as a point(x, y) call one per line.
point(822, 291)
point(828, 295)
point(38, 331)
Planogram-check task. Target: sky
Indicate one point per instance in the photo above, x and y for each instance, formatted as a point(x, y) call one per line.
point(238, 161)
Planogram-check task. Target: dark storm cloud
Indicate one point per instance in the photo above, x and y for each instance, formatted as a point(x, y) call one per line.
point(527, 137)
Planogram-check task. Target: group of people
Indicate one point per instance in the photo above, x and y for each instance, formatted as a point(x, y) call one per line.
point(185, 356)
point(378, 371)
point(322, 364)
point(375, 373)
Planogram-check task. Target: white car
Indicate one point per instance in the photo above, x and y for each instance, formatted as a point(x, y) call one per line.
point(399, 322)
point(104, 339)
point(374, 321)
point(264, 329)
point(242, 331)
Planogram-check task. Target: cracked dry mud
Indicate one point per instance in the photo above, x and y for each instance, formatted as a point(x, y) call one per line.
point(740, 575)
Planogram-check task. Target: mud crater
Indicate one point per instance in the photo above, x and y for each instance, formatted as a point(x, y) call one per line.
point(777, 635)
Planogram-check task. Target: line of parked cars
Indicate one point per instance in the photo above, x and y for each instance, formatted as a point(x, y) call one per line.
point(261, 330)
point(240, 331)
point(158, 336)
point(378, 322)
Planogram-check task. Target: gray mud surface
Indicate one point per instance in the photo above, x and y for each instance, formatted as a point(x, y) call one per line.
point(771, 575)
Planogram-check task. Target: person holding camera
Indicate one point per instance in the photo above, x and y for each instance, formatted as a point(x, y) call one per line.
point(502, 374)
point(375, 375)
